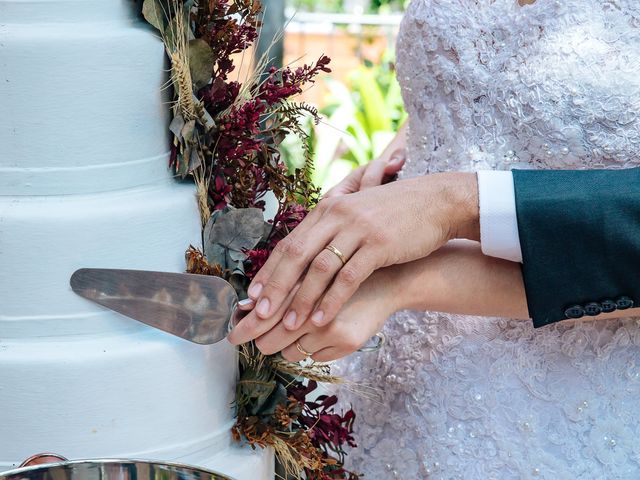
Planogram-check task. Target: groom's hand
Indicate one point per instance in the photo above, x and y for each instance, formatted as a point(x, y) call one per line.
point(385, 225)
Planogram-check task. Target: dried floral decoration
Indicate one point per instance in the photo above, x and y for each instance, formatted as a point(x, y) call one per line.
point(226, 137)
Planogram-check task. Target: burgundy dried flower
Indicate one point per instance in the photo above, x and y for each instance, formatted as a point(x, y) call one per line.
point(286, 83)
point(285, 221)
point(255, 260)
point(219, 191)
point(219, 95)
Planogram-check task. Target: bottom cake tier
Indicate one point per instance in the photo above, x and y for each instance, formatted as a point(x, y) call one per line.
point(84, 382)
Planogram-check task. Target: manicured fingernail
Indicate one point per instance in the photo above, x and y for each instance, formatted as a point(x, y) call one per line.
point(317, 317)
point(290, 320)
point(263, 307)
point(245, 303)
point(255, 290)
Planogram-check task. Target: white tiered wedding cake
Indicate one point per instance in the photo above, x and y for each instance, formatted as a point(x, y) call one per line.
point(84, 182)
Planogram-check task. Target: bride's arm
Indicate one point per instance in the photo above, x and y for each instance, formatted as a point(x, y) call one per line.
point(458, 278)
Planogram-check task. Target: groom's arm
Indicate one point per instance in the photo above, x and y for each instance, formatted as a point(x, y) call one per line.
point(579, 237)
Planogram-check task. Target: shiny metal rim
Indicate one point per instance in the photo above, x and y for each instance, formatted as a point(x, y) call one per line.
point(113, 461)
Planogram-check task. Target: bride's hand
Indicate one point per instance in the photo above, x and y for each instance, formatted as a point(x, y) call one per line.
point(377, 172)
point(385, 225)
point(360, 319)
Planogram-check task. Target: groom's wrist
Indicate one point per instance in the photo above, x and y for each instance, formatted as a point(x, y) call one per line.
point(464, 210)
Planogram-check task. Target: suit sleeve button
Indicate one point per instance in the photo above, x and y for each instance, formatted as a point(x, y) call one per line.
point(608, 306)
point(592, 309)
point(575, 311)
point(624, 302)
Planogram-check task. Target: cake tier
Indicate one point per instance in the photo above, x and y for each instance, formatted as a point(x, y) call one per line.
point(81, 89)
point(81, 380)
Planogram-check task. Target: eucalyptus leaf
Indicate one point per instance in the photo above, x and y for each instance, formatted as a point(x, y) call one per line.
point(176, 126)
point(201, 60)
point(236, 229)
point(183, 158)
point(153, 13)
point(209, 123)
point(239, 269)
point(188, 129)
point(216, 253)
point(194, 159)
point(260, 392)
point(277, 397)
point(266, 233)
point(237, 256)
point(239, 284)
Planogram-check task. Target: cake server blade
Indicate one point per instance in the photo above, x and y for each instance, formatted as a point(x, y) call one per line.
point(197, 308)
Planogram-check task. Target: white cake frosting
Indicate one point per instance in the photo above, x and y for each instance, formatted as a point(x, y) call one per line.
point(84, 182)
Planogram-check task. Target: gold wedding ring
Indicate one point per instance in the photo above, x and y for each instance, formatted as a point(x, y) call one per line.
point(302, 350)
point(338, 253)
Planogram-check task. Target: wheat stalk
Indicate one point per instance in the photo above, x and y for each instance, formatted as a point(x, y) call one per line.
point(315, 371)
point(202, 195)
point(176, 42)
point(184, 86)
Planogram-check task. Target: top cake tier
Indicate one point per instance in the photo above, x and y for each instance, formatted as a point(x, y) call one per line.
point(81, 89)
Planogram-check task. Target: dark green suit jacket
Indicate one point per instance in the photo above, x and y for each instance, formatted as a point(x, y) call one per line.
point(580, 239)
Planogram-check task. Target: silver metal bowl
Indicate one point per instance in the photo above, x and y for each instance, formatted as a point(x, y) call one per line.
point(112, 469)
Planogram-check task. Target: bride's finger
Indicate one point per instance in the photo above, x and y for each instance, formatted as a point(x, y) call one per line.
point(330, 354)
point(278, 338)
point(322, 271)
point(347, 281)
point(374, 174)
point(350, 184)
point(306, 344)
point(251, 327)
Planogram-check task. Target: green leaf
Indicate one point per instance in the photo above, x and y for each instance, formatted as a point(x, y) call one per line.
point(380, 141)
point(373, 101)
point(336, 172)
point(153, 13)
point(201, 60)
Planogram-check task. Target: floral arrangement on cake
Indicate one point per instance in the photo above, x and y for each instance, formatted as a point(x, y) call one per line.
point(226, 136)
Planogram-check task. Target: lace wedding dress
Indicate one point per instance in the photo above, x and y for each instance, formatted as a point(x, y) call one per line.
point(489, 84)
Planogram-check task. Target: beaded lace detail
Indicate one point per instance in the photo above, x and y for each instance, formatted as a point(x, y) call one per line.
point(492, 85)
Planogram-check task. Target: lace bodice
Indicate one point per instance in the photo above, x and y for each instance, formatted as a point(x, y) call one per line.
point(493, 85)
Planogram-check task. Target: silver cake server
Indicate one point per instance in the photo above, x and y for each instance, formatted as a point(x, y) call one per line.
point(198, 308)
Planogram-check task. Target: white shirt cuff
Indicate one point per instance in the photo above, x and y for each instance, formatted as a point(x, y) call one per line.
point(498, 219)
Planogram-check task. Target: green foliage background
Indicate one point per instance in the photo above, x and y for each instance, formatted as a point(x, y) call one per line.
point(338, 6)
point(359, 121)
